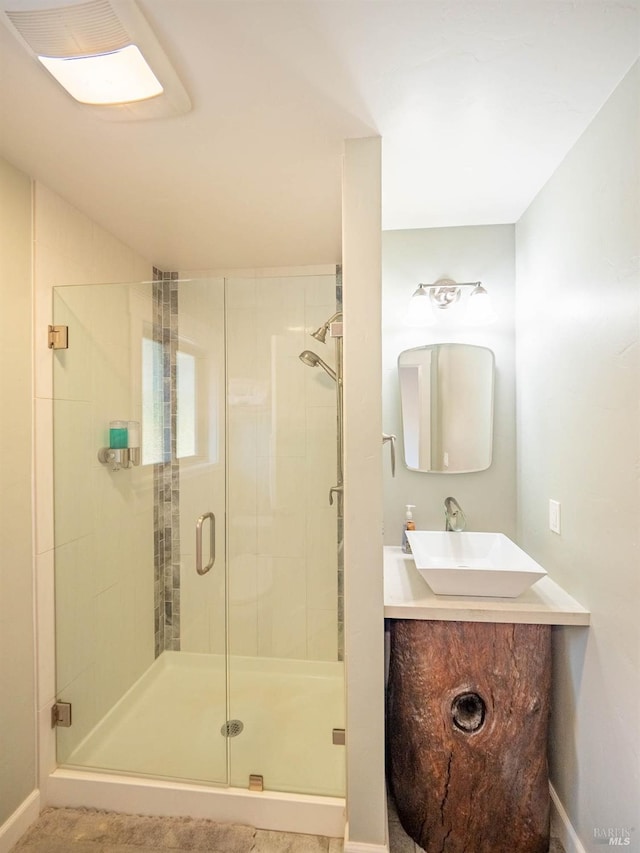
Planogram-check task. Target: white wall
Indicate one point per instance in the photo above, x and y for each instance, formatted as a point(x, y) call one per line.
point(473, 253)
point(578, 360)
point(17, 719)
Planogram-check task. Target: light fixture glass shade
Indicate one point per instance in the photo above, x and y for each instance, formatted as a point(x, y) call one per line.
point(480, 311)
point(119, 77)
point(419, 312)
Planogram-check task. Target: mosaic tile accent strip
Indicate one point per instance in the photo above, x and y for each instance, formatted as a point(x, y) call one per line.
point(166, 474)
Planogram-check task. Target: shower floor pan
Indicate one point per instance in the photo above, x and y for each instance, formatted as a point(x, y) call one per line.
point(172, 724)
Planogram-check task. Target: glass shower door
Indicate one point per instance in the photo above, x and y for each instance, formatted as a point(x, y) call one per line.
point(286, 674)
point(140, 572)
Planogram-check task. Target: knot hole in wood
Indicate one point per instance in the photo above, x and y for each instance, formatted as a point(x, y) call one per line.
point(468, 711)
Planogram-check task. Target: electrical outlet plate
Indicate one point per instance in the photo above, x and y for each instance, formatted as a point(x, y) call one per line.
point(554, 516)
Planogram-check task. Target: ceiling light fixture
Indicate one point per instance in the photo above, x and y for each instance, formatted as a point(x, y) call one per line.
point(442, 295)
point(103, 53)
point(120, 77)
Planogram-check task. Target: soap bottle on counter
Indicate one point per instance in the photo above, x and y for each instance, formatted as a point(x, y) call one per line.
point(409, 524)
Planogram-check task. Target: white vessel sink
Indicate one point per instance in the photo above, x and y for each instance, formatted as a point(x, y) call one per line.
point(486, 564)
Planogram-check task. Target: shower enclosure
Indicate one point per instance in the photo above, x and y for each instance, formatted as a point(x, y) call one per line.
point(197, 580)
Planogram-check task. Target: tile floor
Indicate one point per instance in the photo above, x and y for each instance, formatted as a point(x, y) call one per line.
point(399, 841)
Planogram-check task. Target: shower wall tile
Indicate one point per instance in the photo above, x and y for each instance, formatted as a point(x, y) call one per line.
point(73, 452)
point(243, 486)
point(280, 484)
point(322, 634)
point(244, 594)
point(243, 532)
point(75, 609)
point(242, 325)
point(114, 635)
point(320, 462)
point(282, 611)
point(320, 290)
point(285, 424)
point(322, 560)
point(242, 295)
point(282, 534)
point(282, 462)
point(195, 628)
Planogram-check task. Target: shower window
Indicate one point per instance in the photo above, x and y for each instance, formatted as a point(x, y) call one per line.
point(151, 401)
point(186, 420)
point(192, 393)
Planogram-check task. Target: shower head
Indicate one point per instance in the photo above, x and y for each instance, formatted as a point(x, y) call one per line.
point(321, 333)
point(312, 360)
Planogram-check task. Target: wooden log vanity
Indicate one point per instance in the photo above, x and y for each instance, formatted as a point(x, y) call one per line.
point(468, 700)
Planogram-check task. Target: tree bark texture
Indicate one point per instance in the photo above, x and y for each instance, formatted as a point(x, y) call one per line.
point(467, 726)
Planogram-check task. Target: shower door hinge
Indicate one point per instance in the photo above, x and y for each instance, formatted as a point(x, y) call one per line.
point(61, 715)
point(335, 329)
point(58, 337)
point(256, 782)
point(338, 737)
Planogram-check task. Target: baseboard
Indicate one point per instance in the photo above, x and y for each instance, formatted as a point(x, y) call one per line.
point(19, 822)
point(361, 846)
point(303, 813)
point(561, 825)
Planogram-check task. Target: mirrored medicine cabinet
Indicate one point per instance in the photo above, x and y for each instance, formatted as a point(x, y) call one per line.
point(446, 393)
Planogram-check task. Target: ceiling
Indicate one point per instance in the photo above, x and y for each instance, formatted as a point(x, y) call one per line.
point(476, 102)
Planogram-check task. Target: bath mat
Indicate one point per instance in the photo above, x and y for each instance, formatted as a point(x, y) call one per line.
point(93, 831)
point(97, 829)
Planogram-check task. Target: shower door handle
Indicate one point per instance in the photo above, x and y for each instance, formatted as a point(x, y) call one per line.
point(212, 543)
point(392, 447)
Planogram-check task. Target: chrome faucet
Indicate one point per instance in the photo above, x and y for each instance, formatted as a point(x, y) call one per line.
point(454, 517)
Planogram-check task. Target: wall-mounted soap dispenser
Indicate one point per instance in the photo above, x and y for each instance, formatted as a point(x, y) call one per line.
point(124, 445)
point(409, 524)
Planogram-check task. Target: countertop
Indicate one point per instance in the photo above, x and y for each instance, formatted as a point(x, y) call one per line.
point(408, 596)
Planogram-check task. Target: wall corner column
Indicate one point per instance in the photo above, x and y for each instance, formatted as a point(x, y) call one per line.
point(364, 600)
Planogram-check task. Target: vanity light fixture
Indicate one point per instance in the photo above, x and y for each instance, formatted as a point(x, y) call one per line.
point(428, 299)
point(102, 52)
point(480, 311)
point(419, 311)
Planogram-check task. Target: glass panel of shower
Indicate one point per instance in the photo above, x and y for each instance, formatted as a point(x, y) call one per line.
point(140, 634)
point(286, 675)
point(198, 581)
